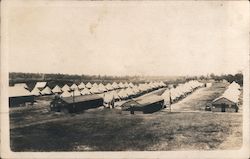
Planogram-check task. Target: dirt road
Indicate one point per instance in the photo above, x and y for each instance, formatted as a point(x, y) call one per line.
point(197, 100)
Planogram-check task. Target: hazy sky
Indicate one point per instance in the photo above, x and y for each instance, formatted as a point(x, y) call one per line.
point(128, 38)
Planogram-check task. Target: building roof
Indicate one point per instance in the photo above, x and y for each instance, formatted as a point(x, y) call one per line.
point(41, 84)
point(24, 85)
point(18, 92)
point(79, 99)
point(143, 101)
point(231, 94)
point(149, 100)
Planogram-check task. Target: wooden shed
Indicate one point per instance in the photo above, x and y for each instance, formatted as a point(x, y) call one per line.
point(77, 103)
point(146, 105)
point(223, 104)
point(19, 96)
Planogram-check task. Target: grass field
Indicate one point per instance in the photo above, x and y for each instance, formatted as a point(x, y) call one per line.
point(109, 130)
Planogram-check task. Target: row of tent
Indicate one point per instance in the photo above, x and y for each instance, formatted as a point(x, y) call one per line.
point(232, 93)
point(182, 90)
point(82, 89)
point(121, 93)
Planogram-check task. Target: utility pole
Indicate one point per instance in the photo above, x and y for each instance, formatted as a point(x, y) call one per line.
point(73, 97)
point(170, 101)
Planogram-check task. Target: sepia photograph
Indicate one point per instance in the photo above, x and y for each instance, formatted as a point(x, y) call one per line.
point(137, 79)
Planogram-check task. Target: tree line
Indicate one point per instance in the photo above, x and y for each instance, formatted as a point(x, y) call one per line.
point(61, 79)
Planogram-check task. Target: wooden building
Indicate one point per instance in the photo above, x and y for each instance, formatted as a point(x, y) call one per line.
point(146, 105)
point(19, 96)
point(76, 104)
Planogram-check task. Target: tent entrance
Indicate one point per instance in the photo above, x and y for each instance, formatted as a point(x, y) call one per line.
point(223, 108)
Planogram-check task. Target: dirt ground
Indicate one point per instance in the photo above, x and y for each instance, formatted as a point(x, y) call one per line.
point(187, 127)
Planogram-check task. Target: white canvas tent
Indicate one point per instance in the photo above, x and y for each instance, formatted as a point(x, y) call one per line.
point(166, 97)
point(35, 91)
point(65, 88)
point(102, 88)
point(109, 87)
point(46, 91)
point(95, 85)
point(56, 89)
point(234, 85)
point(85, 91)
point(126, 85)
point(108, 97)
point(41, 85)
point(76, 92)
point(136, 90)
point(129, 92)
point(114, 93)
point(65, 94)
point(94, 90)
point(131, 84)
point(88, 85)
point(74, 86)
point(115, 85)
point(122, 94)
point(81, 85)
point(121, 85)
